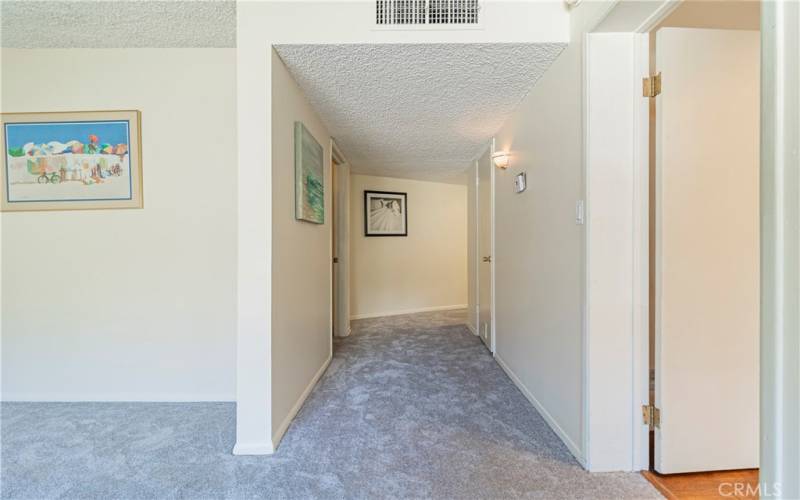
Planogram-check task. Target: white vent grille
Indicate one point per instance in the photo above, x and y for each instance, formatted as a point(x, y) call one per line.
point(427, 12)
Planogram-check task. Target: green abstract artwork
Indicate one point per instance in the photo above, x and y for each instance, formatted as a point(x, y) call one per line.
point(309, 177)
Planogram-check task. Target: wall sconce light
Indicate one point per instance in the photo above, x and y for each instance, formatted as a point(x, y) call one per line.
point(500, 159)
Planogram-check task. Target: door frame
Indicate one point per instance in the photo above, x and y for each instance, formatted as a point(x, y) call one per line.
point(780, 254)
point(339, 161)
point(492, 151)
point(490, 147)
point(616, 170)
point(473, 266)
point(618, 397)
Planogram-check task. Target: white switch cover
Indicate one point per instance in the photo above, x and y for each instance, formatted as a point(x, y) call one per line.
point(520, 182)
point(579, 212)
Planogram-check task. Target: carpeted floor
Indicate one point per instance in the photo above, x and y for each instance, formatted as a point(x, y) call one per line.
point(411, 407)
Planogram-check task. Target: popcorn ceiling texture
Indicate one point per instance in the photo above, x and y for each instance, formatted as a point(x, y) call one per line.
point(118, 24)
point(416, 110)
point(420, 111)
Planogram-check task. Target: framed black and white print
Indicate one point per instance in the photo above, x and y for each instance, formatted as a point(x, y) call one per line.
point(385, 214)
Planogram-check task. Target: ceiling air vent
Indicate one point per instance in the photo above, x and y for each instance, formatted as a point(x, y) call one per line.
point(427, 13)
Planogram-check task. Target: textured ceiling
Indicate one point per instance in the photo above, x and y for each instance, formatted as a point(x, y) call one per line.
point(417, 111)
point(404, 110)
point(104, 24)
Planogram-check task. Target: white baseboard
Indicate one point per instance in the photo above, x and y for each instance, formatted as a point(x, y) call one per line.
point(117, 397)
point(472, 329)
point(253, 449)
point(349, 331)
point(573, 448)
point(408, 311)
point(276, 438)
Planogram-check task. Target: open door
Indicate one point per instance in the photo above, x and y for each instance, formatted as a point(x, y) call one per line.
point(485, 240)
point(707, 250)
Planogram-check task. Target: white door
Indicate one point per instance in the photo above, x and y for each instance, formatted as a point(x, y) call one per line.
point(707, 250)
point(485, 218)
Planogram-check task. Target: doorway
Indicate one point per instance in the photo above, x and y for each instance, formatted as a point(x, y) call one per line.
point(340, 244)
point(704, 250)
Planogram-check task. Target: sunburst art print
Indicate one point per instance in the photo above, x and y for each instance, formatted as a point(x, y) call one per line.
point(385, 214)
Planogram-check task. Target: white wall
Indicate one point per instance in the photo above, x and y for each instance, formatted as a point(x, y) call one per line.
point(426, 270)
point(128, 304)
point(539, 278)
point(301, 265)
point(616, 293)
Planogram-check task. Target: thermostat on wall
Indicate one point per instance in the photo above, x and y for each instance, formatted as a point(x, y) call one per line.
point(520, 182)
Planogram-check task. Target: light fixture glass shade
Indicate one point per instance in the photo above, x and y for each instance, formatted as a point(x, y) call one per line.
point(500, 159)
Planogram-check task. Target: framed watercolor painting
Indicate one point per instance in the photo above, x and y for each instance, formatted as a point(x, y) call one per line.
point(71, 161)
point(309, 176)
point(385, 214)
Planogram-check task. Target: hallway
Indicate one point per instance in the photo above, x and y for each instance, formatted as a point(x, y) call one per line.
point(411, 406)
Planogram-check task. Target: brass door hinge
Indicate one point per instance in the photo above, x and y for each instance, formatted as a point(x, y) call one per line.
point(651, 416)
point(651, 86)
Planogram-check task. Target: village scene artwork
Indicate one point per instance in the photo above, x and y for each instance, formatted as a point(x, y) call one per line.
point(68, 161)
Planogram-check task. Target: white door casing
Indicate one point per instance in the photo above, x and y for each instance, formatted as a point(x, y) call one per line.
point(485, 248)
point(780, 250)
point(615, 342)
point(341, 250)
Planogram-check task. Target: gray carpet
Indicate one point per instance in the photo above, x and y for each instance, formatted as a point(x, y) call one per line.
point(411, 407)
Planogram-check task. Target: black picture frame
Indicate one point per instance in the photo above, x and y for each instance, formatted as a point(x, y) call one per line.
point(368, 195)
